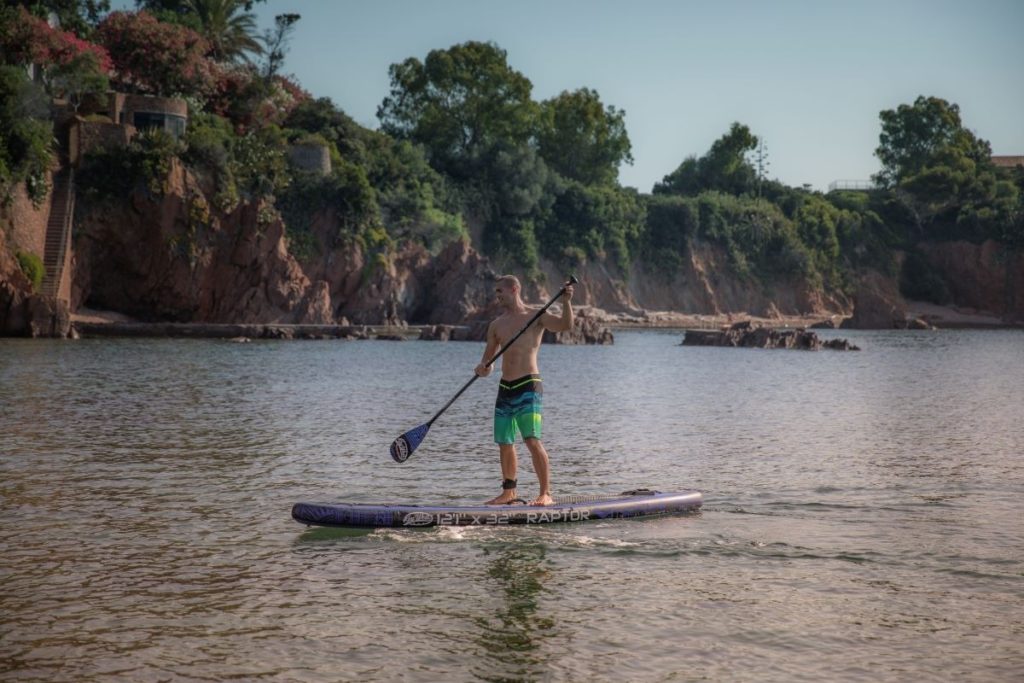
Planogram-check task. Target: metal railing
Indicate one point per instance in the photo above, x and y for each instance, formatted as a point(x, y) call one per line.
point(854, 185)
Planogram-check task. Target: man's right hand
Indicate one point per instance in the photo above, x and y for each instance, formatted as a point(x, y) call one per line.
point(483, 370)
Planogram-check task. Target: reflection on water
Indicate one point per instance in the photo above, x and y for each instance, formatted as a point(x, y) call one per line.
point(862, 514)
point(511, 641)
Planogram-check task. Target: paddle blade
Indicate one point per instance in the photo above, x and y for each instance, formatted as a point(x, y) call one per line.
point(403, 446)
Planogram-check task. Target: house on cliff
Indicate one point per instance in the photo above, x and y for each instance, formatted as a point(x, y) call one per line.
point(1008, 161)
point(44, 228)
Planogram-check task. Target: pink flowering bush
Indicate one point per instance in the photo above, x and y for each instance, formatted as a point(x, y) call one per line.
point(27, 39)
point(152, 57)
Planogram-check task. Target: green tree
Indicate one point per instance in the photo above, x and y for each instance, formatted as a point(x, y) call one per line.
point(593, 221)
point(582, 139)
point(78, 77)
point(322, 117)
point(26, 135)
point(459, 103)
point(942, 173)
point(724, 168)
point(914, 136)
point(276, 42)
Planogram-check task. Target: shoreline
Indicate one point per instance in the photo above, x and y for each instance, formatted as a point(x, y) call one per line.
point(90, 323)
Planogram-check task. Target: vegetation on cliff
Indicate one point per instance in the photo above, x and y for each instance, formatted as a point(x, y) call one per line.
point(464, 149)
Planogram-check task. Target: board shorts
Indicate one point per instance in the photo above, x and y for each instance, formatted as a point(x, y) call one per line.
point(518, 409)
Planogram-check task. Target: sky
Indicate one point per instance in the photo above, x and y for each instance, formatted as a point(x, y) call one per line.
point(808, 77)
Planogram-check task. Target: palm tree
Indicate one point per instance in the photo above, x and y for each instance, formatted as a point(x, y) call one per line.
point(229, 29)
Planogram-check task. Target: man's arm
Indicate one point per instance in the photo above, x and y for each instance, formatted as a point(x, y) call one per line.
point(564, 322)
point(483, 370)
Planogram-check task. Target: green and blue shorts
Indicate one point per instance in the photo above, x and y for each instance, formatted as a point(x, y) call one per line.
point(518, 408)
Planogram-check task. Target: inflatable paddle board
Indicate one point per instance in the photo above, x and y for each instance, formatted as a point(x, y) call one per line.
point(637, 503)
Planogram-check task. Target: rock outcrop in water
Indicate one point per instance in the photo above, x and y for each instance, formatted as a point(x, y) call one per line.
point(750, 336)
point(586, 329)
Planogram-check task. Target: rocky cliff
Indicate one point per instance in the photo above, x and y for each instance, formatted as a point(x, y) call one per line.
point(174, 258)
point(986, 282)
point(985, 277)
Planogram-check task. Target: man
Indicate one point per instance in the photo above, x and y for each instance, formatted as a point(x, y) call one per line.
point(520, 391)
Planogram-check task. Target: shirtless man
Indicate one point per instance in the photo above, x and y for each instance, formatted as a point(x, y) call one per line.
point(520, 392)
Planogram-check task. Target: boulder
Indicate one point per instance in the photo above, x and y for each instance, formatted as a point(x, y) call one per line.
point(436, 333)
point(585, 330)
point(748, 335)
point(48, 317)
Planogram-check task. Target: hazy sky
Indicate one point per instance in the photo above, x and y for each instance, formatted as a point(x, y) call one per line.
point(808, 77)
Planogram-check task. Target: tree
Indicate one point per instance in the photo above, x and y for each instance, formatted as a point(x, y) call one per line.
point(78, 16)
point(581, 139)
point(914, 136)
point(276, 43)
point(27, 39)
point(322, 117)
point(80, 76)
point(941, 172)
point(724, 168)
point(228, 29)
point(26, 135)
point(155, 57)
point(593, 221)
point(459, 103)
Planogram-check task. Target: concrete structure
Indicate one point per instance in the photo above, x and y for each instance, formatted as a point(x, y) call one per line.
point(146, 111)
point(86, 136)
point(313, 158)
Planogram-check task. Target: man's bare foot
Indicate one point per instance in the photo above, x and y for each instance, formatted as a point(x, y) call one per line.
point(543, 499)
point(506, 497)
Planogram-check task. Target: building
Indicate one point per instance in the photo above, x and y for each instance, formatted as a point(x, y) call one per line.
point(1011, 161)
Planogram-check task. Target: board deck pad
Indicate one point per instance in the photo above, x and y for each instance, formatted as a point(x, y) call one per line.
point(578, 508)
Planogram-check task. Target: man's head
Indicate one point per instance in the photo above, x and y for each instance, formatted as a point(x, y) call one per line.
point(507, 290)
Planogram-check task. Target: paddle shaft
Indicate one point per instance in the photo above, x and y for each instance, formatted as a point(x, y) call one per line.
point(536, 315)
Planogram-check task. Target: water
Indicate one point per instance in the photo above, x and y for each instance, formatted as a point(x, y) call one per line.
point(862, 521)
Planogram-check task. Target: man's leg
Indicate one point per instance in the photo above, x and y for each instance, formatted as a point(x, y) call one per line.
point(509, 466)
point(543, 469)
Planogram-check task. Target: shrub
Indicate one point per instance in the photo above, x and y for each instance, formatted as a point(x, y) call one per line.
point(33, 268)
point(598, 220)
point(117, 172)
point(345, 192)
point(26, 136)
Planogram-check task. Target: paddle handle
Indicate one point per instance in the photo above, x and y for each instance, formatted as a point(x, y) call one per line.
point(572, 280)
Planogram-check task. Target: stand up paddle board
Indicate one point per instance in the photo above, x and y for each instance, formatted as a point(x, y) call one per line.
point(637, 503)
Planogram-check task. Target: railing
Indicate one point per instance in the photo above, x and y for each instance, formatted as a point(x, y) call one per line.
point(854, 185)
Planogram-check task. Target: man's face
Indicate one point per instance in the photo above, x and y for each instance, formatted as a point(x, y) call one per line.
point(504, 293)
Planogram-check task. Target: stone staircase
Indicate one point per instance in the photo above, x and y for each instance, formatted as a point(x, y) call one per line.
point(58, 232)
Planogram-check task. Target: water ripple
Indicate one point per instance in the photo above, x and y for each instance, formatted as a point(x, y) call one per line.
point(862, 516)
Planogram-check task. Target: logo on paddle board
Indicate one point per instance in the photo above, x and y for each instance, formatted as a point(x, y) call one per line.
point(418, 519)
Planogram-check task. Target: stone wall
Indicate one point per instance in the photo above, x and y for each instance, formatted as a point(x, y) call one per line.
point(24, 223)
point(87, 136)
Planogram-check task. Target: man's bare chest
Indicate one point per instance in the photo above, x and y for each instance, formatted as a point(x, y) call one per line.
point(506, 329)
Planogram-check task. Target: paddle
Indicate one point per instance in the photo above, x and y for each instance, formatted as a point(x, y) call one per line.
point(403, 446)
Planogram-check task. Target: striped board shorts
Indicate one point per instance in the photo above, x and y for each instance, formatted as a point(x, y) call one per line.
point(518, 408)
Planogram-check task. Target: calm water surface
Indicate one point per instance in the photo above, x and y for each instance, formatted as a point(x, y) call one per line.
point(863, 519)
